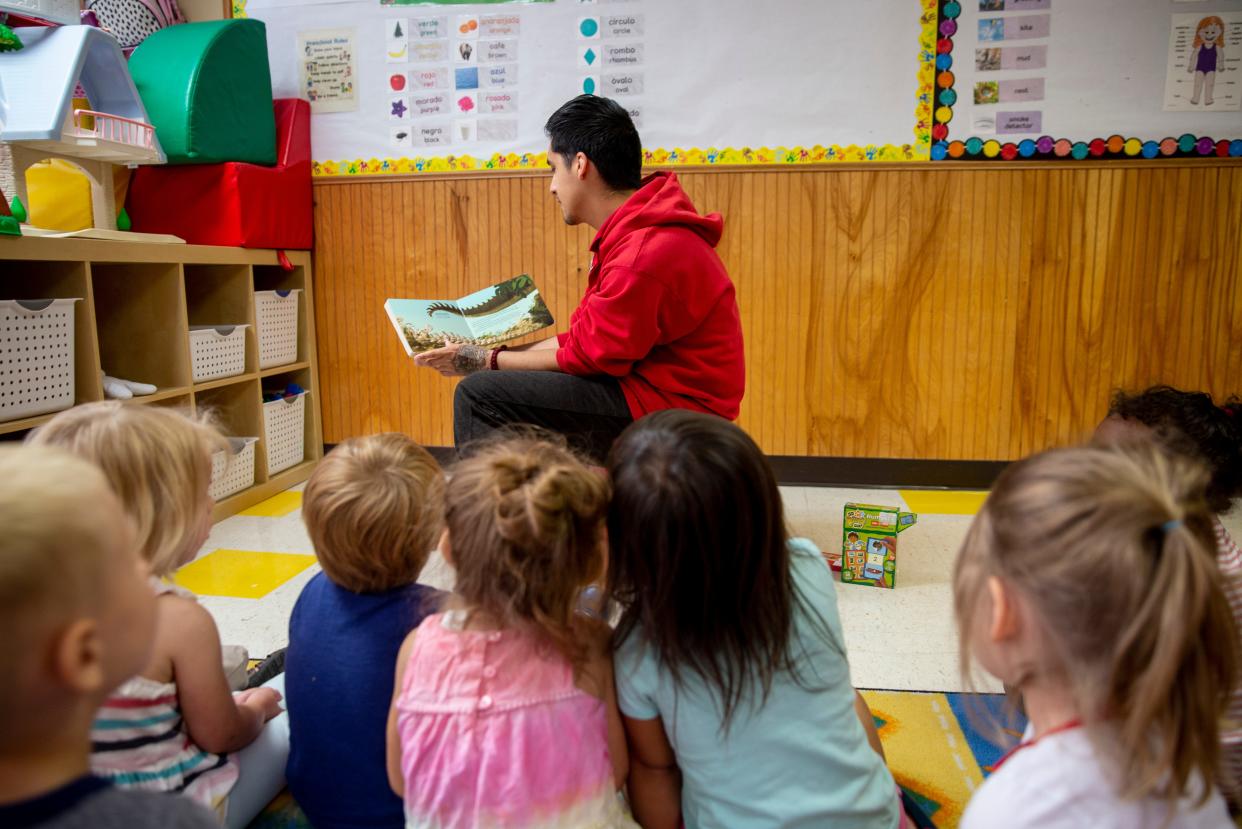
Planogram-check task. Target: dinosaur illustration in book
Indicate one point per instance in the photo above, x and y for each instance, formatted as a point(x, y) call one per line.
point(508, 293)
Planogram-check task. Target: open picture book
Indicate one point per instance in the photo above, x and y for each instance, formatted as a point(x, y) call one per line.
point(504, 311)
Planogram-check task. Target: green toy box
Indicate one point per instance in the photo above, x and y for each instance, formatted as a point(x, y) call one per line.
point(869, 544)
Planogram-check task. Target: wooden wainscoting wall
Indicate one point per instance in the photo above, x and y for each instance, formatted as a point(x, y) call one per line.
point(930, 311)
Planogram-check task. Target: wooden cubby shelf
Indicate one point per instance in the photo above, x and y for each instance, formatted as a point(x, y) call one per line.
point(160, 396)
point(298, 366)
point(138, 302)
point(224, 381)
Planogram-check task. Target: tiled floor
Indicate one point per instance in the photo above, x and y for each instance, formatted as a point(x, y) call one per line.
point(254, 565)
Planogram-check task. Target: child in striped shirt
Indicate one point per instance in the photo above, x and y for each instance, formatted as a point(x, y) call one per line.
point(173, 727)
point(1192, 424)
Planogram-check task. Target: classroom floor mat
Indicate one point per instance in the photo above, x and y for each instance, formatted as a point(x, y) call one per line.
point(940, 747)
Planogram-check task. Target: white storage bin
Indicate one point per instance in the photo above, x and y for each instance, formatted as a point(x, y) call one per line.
point(36, 357)
point(217, 351)
point(276, 317)
point(232, 470)
point(284, 426)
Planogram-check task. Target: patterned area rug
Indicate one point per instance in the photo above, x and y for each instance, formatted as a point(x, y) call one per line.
point(940, 747)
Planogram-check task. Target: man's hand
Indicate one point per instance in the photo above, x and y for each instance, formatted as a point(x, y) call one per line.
point(455, 359)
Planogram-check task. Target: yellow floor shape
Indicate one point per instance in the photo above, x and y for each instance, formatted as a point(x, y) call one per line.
point(276, 506)
point(943, 501)
point(241, 574)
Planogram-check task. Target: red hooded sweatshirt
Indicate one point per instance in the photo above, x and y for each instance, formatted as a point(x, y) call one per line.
point(660, 313)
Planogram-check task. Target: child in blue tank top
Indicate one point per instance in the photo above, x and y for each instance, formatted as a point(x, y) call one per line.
point(374, 509)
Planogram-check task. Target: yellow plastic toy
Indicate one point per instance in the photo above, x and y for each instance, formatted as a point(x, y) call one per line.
point(59, 194)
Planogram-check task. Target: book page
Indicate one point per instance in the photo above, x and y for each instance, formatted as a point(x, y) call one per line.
point(427, 324)
point(505, 311)
point(500, 312)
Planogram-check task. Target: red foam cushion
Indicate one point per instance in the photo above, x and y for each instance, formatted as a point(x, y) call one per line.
point(234, 203)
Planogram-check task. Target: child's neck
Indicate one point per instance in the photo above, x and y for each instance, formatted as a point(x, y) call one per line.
point(49, 762)
point(1049, 705)
point(476, 618)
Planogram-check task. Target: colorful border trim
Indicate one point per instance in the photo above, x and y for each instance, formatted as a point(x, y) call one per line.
point(919, 150)
point(1044, 147)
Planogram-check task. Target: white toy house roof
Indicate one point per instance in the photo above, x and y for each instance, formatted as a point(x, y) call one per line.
point(40, 79)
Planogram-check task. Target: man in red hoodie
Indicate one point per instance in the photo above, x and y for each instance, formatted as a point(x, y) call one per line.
point(658, 326)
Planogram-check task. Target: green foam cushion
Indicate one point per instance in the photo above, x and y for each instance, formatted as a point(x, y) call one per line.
point(208, 91)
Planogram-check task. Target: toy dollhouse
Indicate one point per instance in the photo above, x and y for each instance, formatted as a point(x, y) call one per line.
point(41, 122)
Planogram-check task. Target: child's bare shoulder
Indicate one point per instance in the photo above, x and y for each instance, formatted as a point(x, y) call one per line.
point(185, 629)
point(183, 612)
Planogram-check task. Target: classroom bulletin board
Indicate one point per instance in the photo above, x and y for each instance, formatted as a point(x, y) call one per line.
point(401, 87)
point(413, 86)
point(1080, 79)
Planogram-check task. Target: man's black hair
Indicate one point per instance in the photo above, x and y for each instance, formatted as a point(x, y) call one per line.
point(601, 129)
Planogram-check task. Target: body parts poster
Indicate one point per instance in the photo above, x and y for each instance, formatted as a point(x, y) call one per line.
point(1205, 63)
point(328, 70)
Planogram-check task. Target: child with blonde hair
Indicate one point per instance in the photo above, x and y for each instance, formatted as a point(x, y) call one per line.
point(1088, 583)
point(503, 713)
point(78, 620)
point(173, 727)
point(374, 508)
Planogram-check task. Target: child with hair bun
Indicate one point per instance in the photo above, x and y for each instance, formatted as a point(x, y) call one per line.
point(503, 712)
point(1192, 424)
point(1088, 584)
point(175, 726)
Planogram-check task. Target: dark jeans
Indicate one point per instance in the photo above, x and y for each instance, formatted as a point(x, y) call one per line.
point(590, 411)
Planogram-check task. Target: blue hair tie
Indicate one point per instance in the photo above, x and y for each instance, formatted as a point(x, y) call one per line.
point(1169, 526)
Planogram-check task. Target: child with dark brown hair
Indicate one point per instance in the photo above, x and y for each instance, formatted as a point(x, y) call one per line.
point(503, 713)
point(1191, 424)
point(1088, 584)
point(731, 669)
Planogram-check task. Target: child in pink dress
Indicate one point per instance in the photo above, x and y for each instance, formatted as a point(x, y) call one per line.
point(504, 713)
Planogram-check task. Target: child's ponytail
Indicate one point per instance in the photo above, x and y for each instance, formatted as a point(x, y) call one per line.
point(1113, 550)
point(1177, 657)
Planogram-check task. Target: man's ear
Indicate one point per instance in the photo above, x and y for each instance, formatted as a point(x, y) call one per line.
point(1005, 622)
point(581, 166)
point(77, 657)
